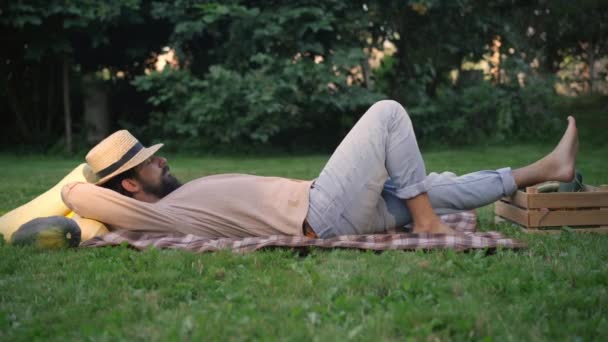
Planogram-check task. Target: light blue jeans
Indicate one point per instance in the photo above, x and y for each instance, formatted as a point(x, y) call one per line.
point(377, 165)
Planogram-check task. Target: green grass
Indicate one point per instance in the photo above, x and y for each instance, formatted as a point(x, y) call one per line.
point(555, 289)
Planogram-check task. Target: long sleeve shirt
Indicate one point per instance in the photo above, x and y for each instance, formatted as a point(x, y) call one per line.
point(225, 205)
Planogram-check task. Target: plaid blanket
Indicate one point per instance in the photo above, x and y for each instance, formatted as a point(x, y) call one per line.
point(463, 223)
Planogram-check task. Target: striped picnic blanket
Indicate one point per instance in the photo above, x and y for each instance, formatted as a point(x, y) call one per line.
point(464, 223)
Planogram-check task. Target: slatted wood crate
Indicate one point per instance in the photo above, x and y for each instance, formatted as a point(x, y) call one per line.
point(547, 212)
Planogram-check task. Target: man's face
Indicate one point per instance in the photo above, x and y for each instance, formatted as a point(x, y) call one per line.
point(155, 177)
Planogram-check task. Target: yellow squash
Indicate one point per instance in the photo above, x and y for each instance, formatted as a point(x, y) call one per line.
point(50, 204)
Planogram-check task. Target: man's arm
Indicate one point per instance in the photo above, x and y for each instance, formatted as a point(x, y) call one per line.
point(118, 211)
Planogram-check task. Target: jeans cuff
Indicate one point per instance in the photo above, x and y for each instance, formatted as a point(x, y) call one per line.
point(415, 189)
point(508, 182)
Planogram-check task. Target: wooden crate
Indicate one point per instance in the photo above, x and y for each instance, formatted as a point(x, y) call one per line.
point(546, 212)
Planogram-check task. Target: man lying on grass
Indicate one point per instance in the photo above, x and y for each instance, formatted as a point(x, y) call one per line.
point(374, 181)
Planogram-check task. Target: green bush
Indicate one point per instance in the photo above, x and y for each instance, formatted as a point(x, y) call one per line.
point(259, 74)
point(475, 110)
point(292, 105)
point(482, 112)
point(227, 108)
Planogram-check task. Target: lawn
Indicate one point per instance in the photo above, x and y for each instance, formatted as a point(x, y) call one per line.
point(555, 289)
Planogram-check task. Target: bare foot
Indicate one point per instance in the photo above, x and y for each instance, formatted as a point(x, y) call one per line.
point(437, 227)
point(555, 166)
point(559, 164)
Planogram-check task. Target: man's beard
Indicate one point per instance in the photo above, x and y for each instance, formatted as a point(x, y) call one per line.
point(168, 183)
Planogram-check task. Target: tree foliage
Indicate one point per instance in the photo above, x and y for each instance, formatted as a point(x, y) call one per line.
point(39, 35)
point(271, 68)
point(295, 72)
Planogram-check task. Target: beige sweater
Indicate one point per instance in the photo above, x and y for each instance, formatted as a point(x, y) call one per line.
point(225, 205)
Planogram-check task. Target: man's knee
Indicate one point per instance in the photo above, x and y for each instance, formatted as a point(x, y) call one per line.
point(389, 111)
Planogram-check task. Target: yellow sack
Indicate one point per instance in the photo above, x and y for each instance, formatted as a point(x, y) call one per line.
point(47, 204)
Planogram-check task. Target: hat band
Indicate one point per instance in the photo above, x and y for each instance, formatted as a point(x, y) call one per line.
point(125, 158)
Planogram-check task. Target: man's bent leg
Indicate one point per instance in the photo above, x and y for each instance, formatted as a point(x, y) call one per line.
point(345, 197)
point(450, 193)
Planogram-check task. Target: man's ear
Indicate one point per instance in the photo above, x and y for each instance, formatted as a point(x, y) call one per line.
point(131, 185)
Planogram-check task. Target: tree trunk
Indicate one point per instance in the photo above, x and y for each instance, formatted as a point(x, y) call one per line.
point(369, 83)
point(15, 105)
point(591, 65)
point(67, 115)
point(50, 101)
point(96, 109)
point(35, 96)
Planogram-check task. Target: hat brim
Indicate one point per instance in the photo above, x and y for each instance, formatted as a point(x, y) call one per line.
point(137, 159)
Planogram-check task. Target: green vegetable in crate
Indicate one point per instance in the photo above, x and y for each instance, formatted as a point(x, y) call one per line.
point(53, 232)
point(548, 187)
point(575, 186)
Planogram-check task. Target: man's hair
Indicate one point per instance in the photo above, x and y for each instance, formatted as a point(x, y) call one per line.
point(115, 183)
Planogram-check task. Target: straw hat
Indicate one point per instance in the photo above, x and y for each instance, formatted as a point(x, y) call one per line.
point(116, 154)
